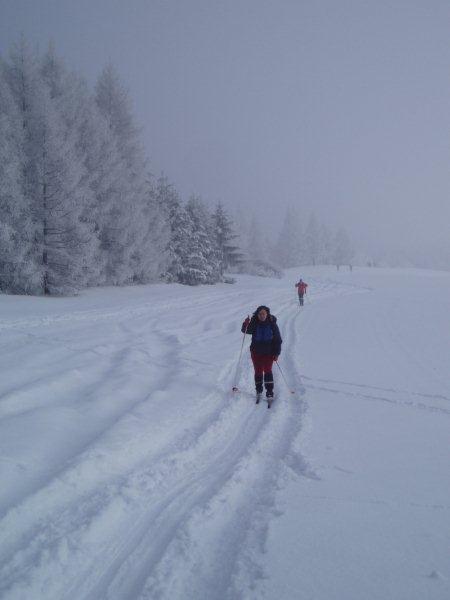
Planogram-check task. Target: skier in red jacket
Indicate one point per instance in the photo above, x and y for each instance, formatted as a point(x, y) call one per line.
point(301, 289)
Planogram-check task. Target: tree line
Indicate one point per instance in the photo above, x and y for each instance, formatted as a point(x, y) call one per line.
point(299, 242)
point(313, 243)
point(79, 207)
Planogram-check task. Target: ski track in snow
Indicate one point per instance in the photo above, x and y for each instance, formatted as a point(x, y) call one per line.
point(127, 511)
point(136, 513)
point(395, 397)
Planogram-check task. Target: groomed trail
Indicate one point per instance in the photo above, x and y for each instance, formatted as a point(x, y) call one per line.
point(132, 471)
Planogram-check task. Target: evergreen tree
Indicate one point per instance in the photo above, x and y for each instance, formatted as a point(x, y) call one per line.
point(180, 229)
point(325, 245)
point(19, 79)
point(343, 250)
point(227, 251)
point(152, 256)
point(58, 200)
point(312, 241)
point(72, 102)
point(103, 169)
point(123, 230)
point(202, 261)
point(259, 261)
point(288, 247)
point(257, 242)
point(241, 218)
point(14, 220)
point(53, 185)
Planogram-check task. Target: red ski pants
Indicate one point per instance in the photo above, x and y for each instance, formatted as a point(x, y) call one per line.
point(262, 363)
point(263, 371)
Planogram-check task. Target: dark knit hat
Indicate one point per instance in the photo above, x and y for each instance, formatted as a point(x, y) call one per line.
point(266, 308)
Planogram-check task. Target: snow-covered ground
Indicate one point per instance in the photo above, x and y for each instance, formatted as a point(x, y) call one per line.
point(129, 470)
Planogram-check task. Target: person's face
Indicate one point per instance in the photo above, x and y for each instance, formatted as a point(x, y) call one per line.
point(262, 315)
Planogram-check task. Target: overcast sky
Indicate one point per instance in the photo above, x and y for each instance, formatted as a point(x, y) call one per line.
point(342, 106)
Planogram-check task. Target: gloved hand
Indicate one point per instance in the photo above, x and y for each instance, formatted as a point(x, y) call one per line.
point(246, 322)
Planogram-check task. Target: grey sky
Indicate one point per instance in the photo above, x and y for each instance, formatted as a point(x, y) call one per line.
point(338, 105)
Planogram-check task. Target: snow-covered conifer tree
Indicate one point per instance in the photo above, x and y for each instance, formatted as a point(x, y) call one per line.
point(288, 246)
point(227, 250)
point(123, 232)
point(74, 105)
point(19, 78)
point(343, 249)
point(53, 185)
point(202, 260)
point(241, 219)
point(152, 255)
point(259, 260)
point(325, 245)
point(312, 241)
point(14, 211)
point(180, 229)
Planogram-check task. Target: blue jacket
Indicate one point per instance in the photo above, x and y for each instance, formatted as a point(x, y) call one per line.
point(266, 338)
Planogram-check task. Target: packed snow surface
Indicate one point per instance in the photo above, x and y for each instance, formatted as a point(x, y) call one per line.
point(130, 470)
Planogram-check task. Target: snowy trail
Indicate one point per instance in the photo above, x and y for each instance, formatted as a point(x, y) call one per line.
point(132, 470)
point(68, 497)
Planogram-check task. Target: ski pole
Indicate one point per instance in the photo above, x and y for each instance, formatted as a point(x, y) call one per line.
point(235, 387)
point(284, 378)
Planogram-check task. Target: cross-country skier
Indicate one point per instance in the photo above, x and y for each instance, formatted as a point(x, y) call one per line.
point(265, 347)
point(301, 289)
